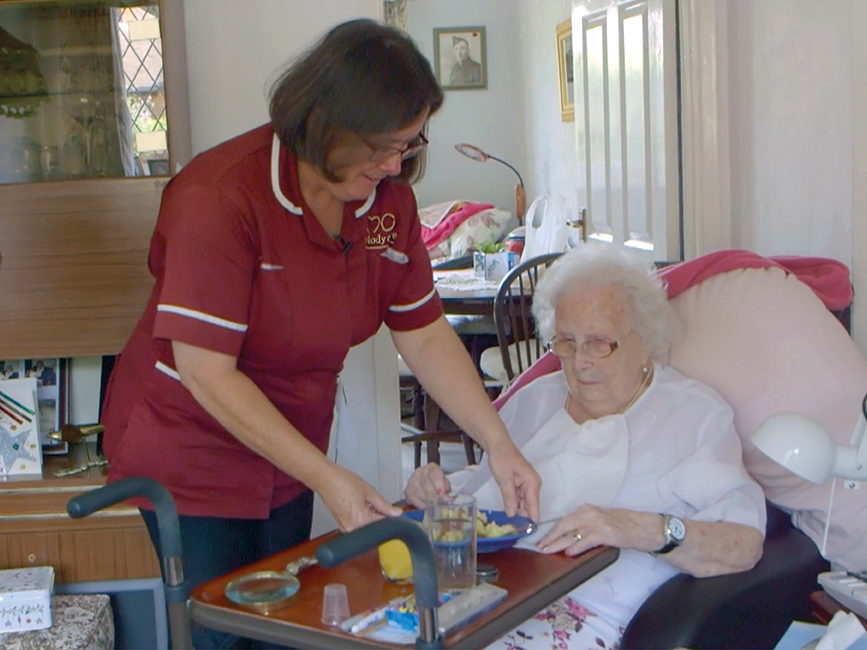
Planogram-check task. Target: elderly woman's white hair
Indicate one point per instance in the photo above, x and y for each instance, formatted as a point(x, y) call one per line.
point(609, 265)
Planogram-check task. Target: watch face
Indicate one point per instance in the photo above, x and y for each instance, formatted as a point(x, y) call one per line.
point(676, 529)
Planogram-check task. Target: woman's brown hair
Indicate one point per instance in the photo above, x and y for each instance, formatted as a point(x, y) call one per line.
point(361, 77)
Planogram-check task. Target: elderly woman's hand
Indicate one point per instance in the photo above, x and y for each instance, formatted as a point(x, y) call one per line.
point(590, 526)
point(424, 482)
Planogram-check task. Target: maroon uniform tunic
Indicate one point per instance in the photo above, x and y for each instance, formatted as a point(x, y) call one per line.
point(242, 267)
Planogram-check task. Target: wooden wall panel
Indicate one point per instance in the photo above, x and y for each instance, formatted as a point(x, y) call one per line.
point(118, 553)
point(73, 264)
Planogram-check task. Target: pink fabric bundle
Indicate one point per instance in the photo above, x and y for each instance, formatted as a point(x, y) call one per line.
point(459, 212)
point(829, 280)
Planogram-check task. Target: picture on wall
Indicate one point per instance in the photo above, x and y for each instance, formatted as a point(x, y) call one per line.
point(565, 71)
point(460, 59)
point(47, 375)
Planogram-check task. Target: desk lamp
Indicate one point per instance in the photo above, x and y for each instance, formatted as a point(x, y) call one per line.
point(801, 445)
point(474, 153)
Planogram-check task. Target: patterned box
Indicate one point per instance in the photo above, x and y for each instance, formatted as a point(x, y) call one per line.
point(25, 599)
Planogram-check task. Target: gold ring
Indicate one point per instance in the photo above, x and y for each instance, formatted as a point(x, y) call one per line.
point(577, 535)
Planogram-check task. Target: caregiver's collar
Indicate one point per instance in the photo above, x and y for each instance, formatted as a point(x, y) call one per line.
point(283, 200)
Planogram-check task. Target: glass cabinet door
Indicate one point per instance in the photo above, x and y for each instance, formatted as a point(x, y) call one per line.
point(82, 91)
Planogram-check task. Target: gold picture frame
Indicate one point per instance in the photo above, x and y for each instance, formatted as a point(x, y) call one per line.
point(565, 71)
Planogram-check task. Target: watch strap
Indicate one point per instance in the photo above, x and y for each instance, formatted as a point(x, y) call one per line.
point(666, 549)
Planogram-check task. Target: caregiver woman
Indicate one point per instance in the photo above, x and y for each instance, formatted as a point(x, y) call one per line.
point(273, 254)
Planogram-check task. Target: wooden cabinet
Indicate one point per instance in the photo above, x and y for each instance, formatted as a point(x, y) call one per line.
point(85, 151)
point(36, 531)
point(94, 117)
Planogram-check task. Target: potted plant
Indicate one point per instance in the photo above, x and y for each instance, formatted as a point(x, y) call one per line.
point(491, 260)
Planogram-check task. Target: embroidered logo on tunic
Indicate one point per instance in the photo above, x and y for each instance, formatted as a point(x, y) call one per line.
point(380, 231)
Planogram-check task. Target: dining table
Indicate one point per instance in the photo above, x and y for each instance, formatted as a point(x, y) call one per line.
point(532, 580)
point(464, 294)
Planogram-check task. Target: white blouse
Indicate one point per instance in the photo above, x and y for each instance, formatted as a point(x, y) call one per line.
point(675, 451)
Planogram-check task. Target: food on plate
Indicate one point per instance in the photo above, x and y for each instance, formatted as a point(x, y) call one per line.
point(485, 528)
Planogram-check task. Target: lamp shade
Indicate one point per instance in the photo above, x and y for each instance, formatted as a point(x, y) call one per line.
point(471, 151)
point(798, 443)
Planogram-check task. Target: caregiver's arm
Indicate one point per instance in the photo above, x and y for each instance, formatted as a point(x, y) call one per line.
point(232, 399)
point(439, 360)
point(709, 548)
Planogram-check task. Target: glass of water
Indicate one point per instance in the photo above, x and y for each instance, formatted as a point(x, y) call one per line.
point(450, 521)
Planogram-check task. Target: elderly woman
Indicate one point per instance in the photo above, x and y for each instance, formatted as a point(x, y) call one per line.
point(632, 454)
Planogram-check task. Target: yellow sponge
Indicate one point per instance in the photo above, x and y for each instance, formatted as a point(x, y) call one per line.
point(394, 560)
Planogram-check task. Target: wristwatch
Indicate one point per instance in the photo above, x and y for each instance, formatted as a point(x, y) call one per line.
point(674, 531)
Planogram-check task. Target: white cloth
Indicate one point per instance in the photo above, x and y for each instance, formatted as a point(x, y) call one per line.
point(599, 448)
point(684, 458)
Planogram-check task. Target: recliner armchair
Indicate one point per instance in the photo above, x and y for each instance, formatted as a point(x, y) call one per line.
point(733, 321)
point(751, 609)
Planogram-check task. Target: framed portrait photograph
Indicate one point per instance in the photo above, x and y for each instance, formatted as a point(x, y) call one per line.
point(565, 71)
point(460, 59)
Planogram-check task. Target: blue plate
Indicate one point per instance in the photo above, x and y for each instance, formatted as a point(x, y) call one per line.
point(524, 525)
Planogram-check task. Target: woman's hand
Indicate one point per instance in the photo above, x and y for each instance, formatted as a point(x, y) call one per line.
point(590, 526)
point(518, 481)
point(710, 548)
point(353, 501)
point(424, 482)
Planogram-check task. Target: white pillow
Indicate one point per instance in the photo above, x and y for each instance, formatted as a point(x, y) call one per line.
point(768, 345)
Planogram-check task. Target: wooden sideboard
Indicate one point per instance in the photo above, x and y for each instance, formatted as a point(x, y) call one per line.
point(35, 529)
point(81, 176)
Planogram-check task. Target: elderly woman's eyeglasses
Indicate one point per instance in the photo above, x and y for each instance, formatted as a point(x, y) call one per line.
point(383, 155)
point(593, 348)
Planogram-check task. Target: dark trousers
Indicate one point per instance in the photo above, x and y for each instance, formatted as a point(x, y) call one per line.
point(213, 546)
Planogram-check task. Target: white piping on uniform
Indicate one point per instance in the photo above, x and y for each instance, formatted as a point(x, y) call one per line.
point(171, 372)
point(275, 178)
point(395, 256)
point(413, 305)
point(202, 316)
point(360, 212)
point(270, 267)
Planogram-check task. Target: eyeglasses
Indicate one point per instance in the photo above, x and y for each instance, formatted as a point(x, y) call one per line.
point(593, 348)
point(383, 155)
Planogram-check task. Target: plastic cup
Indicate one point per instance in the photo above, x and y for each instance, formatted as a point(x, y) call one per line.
point(451, 526)
point(335, 604)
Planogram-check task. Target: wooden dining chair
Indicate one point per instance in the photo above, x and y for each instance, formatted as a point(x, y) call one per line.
point(517, 345)
point(432, 440)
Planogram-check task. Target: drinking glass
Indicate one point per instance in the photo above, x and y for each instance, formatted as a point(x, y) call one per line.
point(450, 521)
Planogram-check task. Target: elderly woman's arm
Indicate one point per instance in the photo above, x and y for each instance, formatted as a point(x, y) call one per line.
point(709, 548)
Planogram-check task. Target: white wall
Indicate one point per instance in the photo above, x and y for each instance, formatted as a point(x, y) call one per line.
point(551, 162)
point(235, 50)
point(790, 69)
point(491, 118)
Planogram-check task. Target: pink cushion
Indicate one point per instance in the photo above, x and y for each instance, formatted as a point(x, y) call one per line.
point(768, 345)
